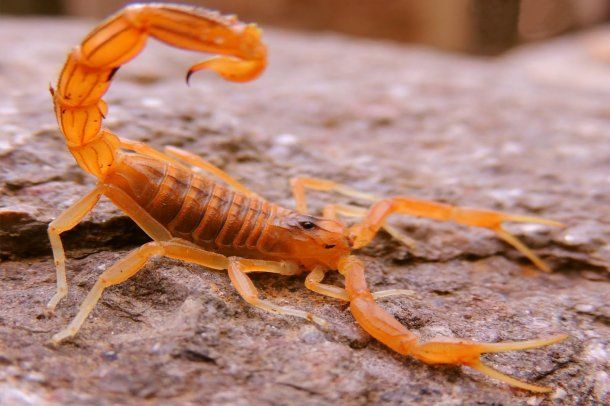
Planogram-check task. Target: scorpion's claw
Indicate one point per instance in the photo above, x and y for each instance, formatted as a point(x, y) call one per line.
point(468, 353)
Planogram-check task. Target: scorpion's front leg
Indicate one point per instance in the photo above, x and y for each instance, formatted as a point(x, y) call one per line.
point(313, 282)
point(363, 233)
point(238, 269)
point(385, 328)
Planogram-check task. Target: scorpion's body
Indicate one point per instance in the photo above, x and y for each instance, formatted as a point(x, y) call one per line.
point(194, 208)
point(192, 217)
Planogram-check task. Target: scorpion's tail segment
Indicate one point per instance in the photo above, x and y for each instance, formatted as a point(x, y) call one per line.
point(122, 36)
point(91, 66)
point(362, 234)
point(385, 328)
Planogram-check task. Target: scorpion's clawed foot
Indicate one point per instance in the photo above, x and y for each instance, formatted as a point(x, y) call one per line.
point(230, 68)
point(50, 309)
point(62, 335)
point(468, 353)
point(324, 325)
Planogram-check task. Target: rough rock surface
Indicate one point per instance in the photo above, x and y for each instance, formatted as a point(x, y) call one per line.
point(526, 133)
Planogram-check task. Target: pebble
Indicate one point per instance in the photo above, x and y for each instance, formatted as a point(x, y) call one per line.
point(559, 394)
point(152, 102)
point(311, 335)
point(584, 308)
point(596, 353)
point(584, 234)
point(534, 401)
point(110, 355)
point(8, 110)
point(285, 139)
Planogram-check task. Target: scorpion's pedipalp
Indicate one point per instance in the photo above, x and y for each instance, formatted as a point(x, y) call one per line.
point(468, 353)
point(385, 328)
point(364, 232)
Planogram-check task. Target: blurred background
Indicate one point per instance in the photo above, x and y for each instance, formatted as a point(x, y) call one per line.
point(484, 27)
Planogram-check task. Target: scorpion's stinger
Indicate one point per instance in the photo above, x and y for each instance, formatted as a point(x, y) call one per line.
point(230, 68)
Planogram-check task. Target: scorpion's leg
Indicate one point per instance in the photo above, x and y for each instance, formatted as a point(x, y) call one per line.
point(147, 150)
point(385, 328)
point(299, 185)
point(363, 233)
point(238, 269)
point(204, 165)
point(130, 265)
point(177, 156)
point(313, 282)
point(66, 221)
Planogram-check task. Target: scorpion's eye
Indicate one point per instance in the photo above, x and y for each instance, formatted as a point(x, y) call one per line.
point(307, 225)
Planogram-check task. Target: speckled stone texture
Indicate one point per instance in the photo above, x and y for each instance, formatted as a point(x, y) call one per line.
point(527, 133)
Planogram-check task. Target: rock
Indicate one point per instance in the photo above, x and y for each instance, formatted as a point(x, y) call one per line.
point(525, 133)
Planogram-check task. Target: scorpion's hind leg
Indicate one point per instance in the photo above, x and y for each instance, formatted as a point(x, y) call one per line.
point(363, 233)
point(132, 264)
point(238, 269)
point(385, 328)
point(66, 221)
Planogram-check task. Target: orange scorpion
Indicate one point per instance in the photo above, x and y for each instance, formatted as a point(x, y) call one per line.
point(223, 225)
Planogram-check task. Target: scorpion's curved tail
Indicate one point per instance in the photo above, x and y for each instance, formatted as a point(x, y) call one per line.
point(90, 67)
point(385, 328)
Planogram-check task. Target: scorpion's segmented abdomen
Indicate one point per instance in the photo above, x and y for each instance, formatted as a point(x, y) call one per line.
point(195, 208)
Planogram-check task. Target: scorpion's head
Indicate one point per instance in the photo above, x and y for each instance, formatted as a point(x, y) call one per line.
point(309, 240)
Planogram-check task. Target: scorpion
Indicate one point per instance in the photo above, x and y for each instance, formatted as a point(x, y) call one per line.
point(213, 220)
